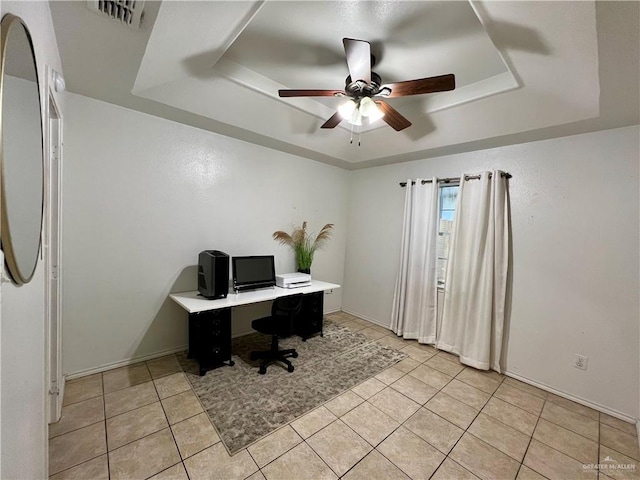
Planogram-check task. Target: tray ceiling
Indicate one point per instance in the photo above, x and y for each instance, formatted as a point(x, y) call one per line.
point(520, 67)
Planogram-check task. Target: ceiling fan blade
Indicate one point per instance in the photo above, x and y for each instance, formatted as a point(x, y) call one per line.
point(310, 93)
point(441, 83)
point(393, 117)
point(333, 122)
point(358, 59)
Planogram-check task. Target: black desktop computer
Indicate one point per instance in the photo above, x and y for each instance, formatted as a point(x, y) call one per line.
point(213, 274)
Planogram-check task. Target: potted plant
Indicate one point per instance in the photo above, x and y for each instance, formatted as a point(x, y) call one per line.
point(304, 244)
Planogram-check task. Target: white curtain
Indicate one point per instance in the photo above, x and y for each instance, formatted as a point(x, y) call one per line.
point(414, 312)
point(476, 280)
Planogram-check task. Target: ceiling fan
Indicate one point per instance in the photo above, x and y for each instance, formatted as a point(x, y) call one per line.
point(366, 92)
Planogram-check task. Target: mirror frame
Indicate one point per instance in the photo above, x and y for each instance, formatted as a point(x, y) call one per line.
point(8, 22)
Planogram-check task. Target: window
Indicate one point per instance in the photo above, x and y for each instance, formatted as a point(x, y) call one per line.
point(447, 210)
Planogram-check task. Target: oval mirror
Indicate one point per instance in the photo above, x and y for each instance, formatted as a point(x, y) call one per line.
point(21, 154)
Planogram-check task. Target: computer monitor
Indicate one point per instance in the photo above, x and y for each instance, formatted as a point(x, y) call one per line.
point(253, 272)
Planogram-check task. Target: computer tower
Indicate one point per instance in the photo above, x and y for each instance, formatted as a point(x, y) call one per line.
point(213, 274)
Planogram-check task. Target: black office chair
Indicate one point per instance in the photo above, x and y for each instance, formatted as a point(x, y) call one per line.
point(279, 324)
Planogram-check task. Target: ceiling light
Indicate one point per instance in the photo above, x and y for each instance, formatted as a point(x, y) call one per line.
point(369, 108)
point(346, 109)
point(353, 111)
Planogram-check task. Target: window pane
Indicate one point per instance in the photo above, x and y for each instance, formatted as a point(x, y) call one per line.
point(448, 196)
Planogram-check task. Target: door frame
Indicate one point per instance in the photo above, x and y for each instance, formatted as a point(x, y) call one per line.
point(53, 144)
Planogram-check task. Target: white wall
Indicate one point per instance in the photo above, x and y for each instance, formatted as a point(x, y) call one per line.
point(574, 213)
point(143, 196)
point(23, 437)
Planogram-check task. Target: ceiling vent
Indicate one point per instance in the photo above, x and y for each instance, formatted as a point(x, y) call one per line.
point(128, 12)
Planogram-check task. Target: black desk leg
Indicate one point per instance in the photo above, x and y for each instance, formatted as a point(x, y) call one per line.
point(210, 339)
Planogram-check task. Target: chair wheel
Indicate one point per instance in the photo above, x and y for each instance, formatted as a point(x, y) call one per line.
point(290, 368)
point(262, 370)
point(294, 354)
point(231, 363)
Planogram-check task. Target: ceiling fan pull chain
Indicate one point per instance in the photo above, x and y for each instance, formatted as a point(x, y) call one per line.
point(359, 135)
point(351, 139)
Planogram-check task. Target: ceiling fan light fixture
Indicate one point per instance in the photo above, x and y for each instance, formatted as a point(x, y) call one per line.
point(346, 109)
point(369, 109)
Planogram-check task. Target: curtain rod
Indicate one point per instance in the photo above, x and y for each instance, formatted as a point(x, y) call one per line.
point(453, 179)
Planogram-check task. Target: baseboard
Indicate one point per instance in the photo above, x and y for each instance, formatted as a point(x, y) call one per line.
point(638, 428)
point(123, 363)
point(581, 401)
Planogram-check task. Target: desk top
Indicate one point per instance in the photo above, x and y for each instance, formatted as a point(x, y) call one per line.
point(192, 302)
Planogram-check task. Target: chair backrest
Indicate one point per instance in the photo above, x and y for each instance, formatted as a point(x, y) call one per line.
point(288, 306)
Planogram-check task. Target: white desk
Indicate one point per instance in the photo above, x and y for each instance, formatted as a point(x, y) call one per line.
point(193, 302)
point(210, 320)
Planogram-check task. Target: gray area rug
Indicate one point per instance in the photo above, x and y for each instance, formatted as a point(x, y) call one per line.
point(245, 406)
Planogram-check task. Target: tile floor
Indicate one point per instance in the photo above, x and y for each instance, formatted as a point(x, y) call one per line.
point(426, 417)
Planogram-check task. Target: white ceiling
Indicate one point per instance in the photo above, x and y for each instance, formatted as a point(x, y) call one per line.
point(524, 70)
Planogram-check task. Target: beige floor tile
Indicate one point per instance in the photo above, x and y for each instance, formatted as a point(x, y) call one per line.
point(76, 447)
point(82, 389)
point(339, 446)
point(300, 463)
point(164, 366)
point(78, 415)
point(216, 463)
point(450, 470)
point(415, 389)
point(370, 423)
point(96, 469)
point(434, 429)
point(566, 441)
point(181, 406)
point(194, 435)
point(466, 394)
point(574, 407)
point(371, 333)
point(411, 454)
point(406, 365)
point(172, 384)
point(511, 415)
point(483, 460)
point(585, 426)
point(381, 329)
point(353, 326)
point(618, 466)
point(520, 398)
point(314, 421)
point(125, 377)
point(449, 356)
point(259, 476)
point(418, 354)
point(138, 423)
point(538, 392)
point(394, 404)
point(619, 441)
point(423, 346)
point(506, 439)
point(445, 366)
point(272, 446)
point(177, 472)
point(130, 398)
point(449, 408)
point(392, 341)
point(430, 376)
point(555, 465)
point(375, 466)
point(626, 427)
point(369, 388)
point(343, 403)
point(526, 473)
point(390, 375)
point(475, 378)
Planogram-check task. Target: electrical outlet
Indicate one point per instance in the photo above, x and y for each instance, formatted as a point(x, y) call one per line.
point(580, 362)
